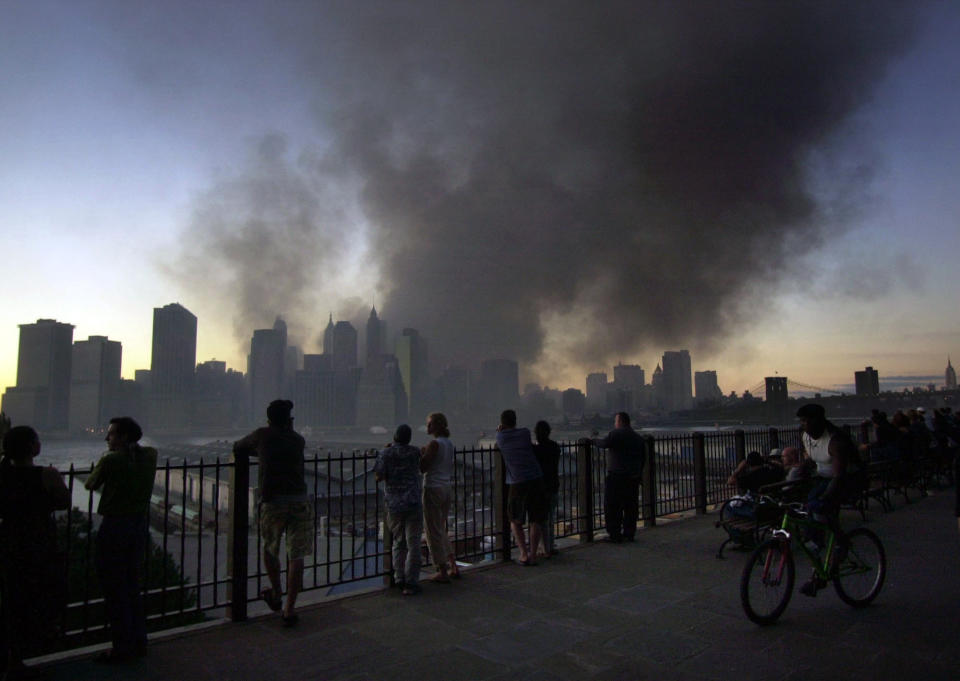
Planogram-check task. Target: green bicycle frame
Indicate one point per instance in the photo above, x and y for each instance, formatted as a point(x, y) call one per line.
point(789, 527)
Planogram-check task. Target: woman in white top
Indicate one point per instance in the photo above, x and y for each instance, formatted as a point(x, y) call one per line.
point(436, 464)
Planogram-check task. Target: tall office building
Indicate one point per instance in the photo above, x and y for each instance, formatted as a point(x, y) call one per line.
point(221, 397)
point(374, 338)
point(596, 391)
point(313, 396)
point(411, 354)
point(172, 365)
point(41, 397)
point(707, 388)
point(381, 398)
point(867, 382)
point(950, 376)
point(328, 337)
point(676, 381)
point(265, 368)
point(344, 346)
point(574, 402)
point(94, 383)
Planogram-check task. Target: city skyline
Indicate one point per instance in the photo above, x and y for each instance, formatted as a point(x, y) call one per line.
point(348, 351)
point(796, 216)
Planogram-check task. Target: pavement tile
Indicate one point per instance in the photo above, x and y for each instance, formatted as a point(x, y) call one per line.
point(662, 647)
point(525, 642)
point(448, 665)
point(640, 600)
point(663, 608)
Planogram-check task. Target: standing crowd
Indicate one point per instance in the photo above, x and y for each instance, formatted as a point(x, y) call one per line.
point(418, 496)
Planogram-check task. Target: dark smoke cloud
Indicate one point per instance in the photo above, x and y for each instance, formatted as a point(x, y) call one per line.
point(636, 172)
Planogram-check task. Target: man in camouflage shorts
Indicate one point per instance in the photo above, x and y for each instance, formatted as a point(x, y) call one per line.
point(285, 508)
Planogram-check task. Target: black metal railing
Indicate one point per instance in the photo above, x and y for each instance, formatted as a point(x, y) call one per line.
point(205, 554)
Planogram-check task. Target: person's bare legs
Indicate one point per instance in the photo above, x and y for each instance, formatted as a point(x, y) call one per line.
point(454, 568)
point(272, 564)
point(294, 582)
point(521, 539)
point(536, 533)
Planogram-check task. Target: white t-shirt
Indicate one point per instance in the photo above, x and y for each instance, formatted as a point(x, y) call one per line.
point(819, 451)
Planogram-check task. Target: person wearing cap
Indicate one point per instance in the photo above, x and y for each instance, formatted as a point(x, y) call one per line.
point(398, 466)
point(285, 507)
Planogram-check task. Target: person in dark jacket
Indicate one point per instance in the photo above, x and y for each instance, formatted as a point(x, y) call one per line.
point(31, 575)
point(621, 490)
point(285, 508)
point(548, 455)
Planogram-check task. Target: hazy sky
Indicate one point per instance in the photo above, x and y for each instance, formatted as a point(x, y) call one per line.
point(771, 185)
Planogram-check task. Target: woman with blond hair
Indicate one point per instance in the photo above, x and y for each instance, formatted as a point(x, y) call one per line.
point(436, 464)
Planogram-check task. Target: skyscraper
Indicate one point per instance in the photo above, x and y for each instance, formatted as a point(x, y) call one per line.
point(344, 346)
point(950, 376)
point(41, 397)
point(94, 383)
point(373, 340)
point(708, 391)
point(676, 380)
point(328, 337)
point(867, 382)
point(172, 365)
point(265, 368)
point(412, 363)
point(221, 396)
point(596, 391)
point(313, 395)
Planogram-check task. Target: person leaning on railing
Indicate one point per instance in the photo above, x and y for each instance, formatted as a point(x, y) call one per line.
point(124, 476)
point(398, 466)
point(285, 507)
point(436, 464)
point(31, 572)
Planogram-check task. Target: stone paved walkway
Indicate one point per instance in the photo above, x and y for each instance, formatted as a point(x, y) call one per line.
point(662, 608)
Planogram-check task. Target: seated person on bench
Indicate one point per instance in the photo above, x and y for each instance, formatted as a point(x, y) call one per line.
point(753, 473)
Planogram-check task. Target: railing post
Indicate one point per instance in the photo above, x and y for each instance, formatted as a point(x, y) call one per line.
point(388, 549)
point(502, 529)
point(585, 488)
point(239, 535)
point(774, 438)
point(700, 471)
point(649, 510)
point(740, 443)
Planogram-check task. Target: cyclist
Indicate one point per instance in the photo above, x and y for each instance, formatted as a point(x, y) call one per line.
point(839, 475)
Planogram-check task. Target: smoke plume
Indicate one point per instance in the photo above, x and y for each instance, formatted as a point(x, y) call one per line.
point(562, 182)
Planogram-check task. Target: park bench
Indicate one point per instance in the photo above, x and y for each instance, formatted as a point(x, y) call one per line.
point(746, 532)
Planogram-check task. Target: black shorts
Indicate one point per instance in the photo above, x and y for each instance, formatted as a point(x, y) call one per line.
point(530, 497)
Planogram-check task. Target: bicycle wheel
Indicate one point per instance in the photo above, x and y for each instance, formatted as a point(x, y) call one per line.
point(767, 581)
point(860, 573)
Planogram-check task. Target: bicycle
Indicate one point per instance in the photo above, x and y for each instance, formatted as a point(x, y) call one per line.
point(857, 565)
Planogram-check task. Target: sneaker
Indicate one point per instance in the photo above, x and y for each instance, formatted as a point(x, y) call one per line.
point(812, 586)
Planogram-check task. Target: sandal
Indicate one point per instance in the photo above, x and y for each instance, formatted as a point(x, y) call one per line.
point(290, 621)
point(272, 600)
